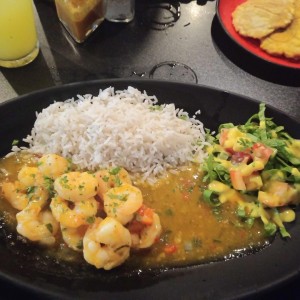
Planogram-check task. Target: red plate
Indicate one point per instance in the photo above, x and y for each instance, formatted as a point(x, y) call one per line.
point(224, 11)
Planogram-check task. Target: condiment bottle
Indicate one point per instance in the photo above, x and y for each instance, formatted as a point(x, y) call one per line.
point(80, 17)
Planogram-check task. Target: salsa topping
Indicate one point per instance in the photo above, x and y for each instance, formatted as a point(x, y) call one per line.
point(256, 166)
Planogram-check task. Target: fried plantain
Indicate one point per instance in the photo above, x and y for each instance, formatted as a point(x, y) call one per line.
point(287, 42)
point(259, 18)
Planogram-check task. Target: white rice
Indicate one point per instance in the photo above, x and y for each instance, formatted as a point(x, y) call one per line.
point(119, 128)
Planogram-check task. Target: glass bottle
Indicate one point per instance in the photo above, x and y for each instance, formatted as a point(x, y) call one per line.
point(80, 17)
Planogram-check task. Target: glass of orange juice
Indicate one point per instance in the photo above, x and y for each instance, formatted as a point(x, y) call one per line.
point(18, 37)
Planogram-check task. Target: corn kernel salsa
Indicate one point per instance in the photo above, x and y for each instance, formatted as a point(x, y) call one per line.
point(192, 230)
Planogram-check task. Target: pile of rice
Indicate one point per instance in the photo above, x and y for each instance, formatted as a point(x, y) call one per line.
point(119, 128)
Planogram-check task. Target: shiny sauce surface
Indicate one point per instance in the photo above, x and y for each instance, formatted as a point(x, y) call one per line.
point(193, 231)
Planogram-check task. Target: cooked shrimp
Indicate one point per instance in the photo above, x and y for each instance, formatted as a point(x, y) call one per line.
point(122, 202)
point(38, 194)
point(82, 213)
point(14, 194)
point(147, 235)
point(110, 178)
point(106, 243)
point(76, 186)
point(73, 237)
point(53, 165)
point(27, 176)
point(31, 176)
point(19, 197)
point(36, 225)
point(277, 193)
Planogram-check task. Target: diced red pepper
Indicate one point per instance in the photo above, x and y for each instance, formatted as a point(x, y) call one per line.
point(262, 151)
point(145, 215)
point(230, 151)
point(170, 249)
point(240, 157)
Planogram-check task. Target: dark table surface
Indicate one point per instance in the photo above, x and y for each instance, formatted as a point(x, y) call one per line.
point(169, 40)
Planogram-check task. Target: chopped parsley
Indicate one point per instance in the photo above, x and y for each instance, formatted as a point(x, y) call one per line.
point(105, 178)
point(121, 197)
point(80, 245)
point(117, 181)
point(15, 142)
point(114, 171)
point(169, 212)
point(49, 185)
point(49, 227)
point(90, 220)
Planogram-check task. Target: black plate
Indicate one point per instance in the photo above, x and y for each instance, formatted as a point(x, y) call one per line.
point(249, 275)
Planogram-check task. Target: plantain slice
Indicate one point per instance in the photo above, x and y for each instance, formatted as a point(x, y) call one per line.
point(285, 43)
point(259, 18)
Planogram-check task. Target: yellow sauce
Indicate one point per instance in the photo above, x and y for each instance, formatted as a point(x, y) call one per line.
point(194, 229)
point(199, 232)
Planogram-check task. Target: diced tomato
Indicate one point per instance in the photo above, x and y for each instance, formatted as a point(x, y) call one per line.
point(262, 151)
point(223, 136)
point(145, 215)
point(237, 180)
point(170, 249)
point(156, 240)
point(241, 157)
point(135, 227)
point(230, 151)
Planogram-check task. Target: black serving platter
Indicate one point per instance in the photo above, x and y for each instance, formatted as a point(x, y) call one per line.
point(25, 268)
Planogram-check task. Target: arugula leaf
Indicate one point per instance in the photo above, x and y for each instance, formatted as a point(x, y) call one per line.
point(215, 171)
point(226, 125)
point(245, 143)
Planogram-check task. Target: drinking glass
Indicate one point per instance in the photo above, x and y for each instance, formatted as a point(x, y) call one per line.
point(119, 10)
point(18, 37)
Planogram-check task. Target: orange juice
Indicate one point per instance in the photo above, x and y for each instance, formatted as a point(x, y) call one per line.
point(18, 37)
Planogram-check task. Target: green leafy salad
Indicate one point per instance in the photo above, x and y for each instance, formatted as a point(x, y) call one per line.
point(256, 166)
